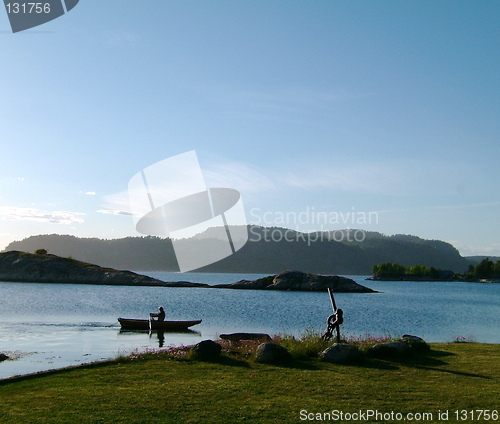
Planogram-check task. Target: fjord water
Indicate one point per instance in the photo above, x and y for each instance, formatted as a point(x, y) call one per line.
point(46, 326)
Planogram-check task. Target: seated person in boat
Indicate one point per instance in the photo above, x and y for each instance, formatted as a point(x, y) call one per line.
point(160, 315)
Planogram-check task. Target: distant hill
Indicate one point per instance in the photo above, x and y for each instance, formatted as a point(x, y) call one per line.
point(269, 250)
point(474, 260)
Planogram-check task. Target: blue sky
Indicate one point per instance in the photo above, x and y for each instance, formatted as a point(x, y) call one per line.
point(327, 106)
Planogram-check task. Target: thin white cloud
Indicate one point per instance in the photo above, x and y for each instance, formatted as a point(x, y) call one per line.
point(355, 178)
point(14, 213)
point(113, 212)
point(237, 175)
point(90, 193)
point(347, 178)
point(398, 178)
point(116, 204)
point(382, 178)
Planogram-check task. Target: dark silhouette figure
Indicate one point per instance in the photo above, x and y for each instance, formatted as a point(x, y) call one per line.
point(160, 315)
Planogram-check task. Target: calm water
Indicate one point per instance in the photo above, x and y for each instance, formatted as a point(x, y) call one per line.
point(48, 326)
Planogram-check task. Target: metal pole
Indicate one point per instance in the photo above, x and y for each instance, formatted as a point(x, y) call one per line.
point(334, 306)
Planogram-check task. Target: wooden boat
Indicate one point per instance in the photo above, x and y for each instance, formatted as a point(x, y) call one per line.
point(143, 324)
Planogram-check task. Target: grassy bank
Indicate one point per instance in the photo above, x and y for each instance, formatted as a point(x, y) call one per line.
point(454, 376)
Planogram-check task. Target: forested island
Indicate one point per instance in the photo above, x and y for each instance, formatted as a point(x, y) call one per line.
point(485, 271)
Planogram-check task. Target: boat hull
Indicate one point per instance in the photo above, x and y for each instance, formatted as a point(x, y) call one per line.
point(143, 324)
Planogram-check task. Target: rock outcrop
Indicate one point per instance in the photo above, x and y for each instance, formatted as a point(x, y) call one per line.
point(46, 268)
point(301, 281)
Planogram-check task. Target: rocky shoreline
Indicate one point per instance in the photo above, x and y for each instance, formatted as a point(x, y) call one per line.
point(300, 281)
point(26, 267)
point(435, 280)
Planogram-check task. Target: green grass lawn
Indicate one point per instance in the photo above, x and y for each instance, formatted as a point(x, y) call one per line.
point(454, 376)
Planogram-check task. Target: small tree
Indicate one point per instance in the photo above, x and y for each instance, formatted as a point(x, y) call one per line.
point(41, 252)
point(388, 269)
point(434, 272)
point(496, 268)
point(484, 269)
point(418, 270)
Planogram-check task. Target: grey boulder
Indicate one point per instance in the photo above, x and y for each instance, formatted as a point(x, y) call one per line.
point(271, 353)
point(341, 353)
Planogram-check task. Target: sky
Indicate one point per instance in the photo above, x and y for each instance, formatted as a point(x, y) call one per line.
point(387, 109)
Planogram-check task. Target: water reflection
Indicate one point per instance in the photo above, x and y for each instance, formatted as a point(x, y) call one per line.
point(159, 334)
point(161, 337)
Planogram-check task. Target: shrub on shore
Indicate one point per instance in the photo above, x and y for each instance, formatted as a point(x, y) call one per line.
point(309, 345)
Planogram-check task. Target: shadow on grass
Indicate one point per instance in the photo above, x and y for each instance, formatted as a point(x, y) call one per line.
point(229, 361)
point(431, 361)
point(389, 363)
point(38, 374)
point(318, 364)
point(464, 374)
point(431, 358)
point(372, 363)
point(297, 364)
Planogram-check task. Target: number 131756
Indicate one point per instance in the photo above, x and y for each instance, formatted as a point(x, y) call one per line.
point(476, 415)
point(28, 7)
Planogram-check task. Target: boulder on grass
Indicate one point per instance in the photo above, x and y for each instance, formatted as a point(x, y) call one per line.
point(390, 350)
point(207, 350)
point(271, 353)
point(417, 344)
point(341, 353)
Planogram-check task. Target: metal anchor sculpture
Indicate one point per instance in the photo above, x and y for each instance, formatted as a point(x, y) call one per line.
point(333, 322)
